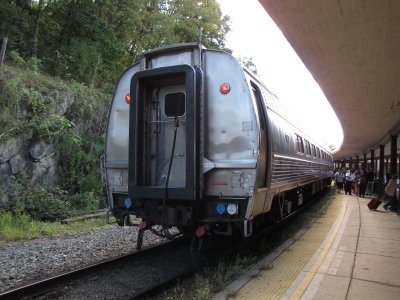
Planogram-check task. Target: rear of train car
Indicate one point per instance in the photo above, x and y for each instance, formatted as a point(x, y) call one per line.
point(197, 142)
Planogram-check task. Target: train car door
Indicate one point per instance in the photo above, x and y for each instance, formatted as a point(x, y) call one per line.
point(164, 134)
point(172, 117)
point(263, 152)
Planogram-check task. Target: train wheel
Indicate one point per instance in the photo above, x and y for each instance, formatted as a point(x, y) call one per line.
point(195, 246)
point(108, 216)
point(120, 219)
point(139, 241)
point(127, 220)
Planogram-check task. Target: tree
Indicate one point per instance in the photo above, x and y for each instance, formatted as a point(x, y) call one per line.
point(80, 41)
point(15, 21)
point(189, 16)
point(248, 63)
point(36, 29)
point(93, 41)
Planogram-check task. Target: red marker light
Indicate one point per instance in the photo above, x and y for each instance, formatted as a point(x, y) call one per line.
point(224, 88)
point(128, 99)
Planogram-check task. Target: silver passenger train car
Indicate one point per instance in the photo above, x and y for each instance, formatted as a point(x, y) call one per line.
point(197, 142)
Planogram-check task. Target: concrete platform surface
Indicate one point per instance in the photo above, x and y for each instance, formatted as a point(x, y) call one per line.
point(351, 253)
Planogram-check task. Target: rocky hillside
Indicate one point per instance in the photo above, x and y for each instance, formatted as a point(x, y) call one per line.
point(51, 133)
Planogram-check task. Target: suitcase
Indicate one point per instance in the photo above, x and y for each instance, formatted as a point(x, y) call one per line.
point(374, 203)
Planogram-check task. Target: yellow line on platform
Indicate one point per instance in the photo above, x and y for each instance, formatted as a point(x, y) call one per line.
point(310, 275)
point(274, 278)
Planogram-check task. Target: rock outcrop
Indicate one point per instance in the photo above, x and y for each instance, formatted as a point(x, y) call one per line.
point(26, 161)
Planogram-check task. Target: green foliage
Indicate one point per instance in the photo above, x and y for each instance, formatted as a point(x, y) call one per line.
point(227, 271)
point(21, 227)
point(16, 58)
point(61, 60)
point(35, 64)
point(90, 184)
point(41, 203)
point(83, 151)
point(50, 204)
point(16, 227)
point(29, 102)
point(202, 291)
point(11, 96)
point(24, 97)
point(201, 294)
point(53, 127)
point(85, 56)
point(85, 202)
point(93, 41)
point(248, 63)
point(189, 16)
point(15, 23)
point(38, 103)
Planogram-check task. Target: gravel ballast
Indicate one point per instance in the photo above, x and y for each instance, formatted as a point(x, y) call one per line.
point(23, 262)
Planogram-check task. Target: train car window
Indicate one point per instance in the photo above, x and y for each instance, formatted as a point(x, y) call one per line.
point(318, 153)
point(308, 148)
point(313, 150)
point(175, 105)
point(299, 144)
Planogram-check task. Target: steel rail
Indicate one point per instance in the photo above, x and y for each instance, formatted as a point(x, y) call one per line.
point(37, 288)
point(42, 286)
point(214, 257)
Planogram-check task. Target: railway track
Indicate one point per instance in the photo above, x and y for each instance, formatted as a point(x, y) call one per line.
point(146, 273)
point(130, 276)
point(226, 249)
point(139, 275)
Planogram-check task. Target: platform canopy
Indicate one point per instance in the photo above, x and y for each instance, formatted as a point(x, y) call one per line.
point(352, 49)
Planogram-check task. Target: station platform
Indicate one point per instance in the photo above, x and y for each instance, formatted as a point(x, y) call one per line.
point(350, 253)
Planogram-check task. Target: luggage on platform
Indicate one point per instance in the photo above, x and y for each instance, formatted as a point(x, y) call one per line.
point(374, 203)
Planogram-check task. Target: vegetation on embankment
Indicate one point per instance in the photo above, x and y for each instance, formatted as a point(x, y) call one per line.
point(22, 227)
point(68, 119)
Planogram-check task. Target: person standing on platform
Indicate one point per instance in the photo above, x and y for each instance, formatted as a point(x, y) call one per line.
point(357, 177)
point(339, 179)
point(363, 184)
point(347, 182)
point(390, 192)
point(370, 183)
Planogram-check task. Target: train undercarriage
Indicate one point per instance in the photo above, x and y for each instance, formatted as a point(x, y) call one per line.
point(175, 220)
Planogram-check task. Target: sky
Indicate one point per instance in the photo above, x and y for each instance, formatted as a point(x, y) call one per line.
point(254, 35)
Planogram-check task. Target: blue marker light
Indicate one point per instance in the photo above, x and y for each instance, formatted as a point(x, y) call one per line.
point(220, 208)
point(128, 202)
